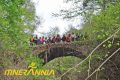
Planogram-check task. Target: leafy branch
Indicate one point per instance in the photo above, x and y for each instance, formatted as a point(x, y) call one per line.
point(102, 64)
point(90, 53)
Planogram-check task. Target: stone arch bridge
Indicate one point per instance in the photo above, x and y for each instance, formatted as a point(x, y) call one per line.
point(49, 52)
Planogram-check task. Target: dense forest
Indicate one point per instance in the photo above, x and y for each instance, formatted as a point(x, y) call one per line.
point(99, 38)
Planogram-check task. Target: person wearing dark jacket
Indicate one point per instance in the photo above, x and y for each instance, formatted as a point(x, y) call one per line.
point(64, 38)
point(49, 40)
point(58, 38)
point(35, 39)
point(53, 39)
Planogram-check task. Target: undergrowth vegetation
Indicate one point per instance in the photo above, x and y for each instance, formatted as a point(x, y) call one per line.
point(98, 28)
point(17, 19)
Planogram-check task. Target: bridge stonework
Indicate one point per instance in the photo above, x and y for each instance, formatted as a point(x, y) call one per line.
point(49, 52)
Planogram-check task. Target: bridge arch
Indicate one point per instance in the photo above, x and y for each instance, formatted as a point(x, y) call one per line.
point(52, 51)
point(59, 52)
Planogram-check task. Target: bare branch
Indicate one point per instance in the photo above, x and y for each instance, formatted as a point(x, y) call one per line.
point(102, 64)
point(90, 53)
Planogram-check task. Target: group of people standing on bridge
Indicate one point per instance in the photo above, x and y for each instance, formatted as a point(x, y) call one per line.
point(54, 39)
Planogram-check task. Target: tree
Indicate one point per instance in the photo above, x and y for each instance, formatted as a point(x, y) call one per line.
point(85, 8)
point(53, 31)
point(16, 18)
point(103, 24)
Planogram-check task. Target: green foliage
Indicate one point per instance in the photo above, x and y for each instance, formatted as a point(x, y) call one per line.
point(16, 18)
point(83, 7)
point(16, 24)
point(98, 27)
point(31, 58)
point(104, 24)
